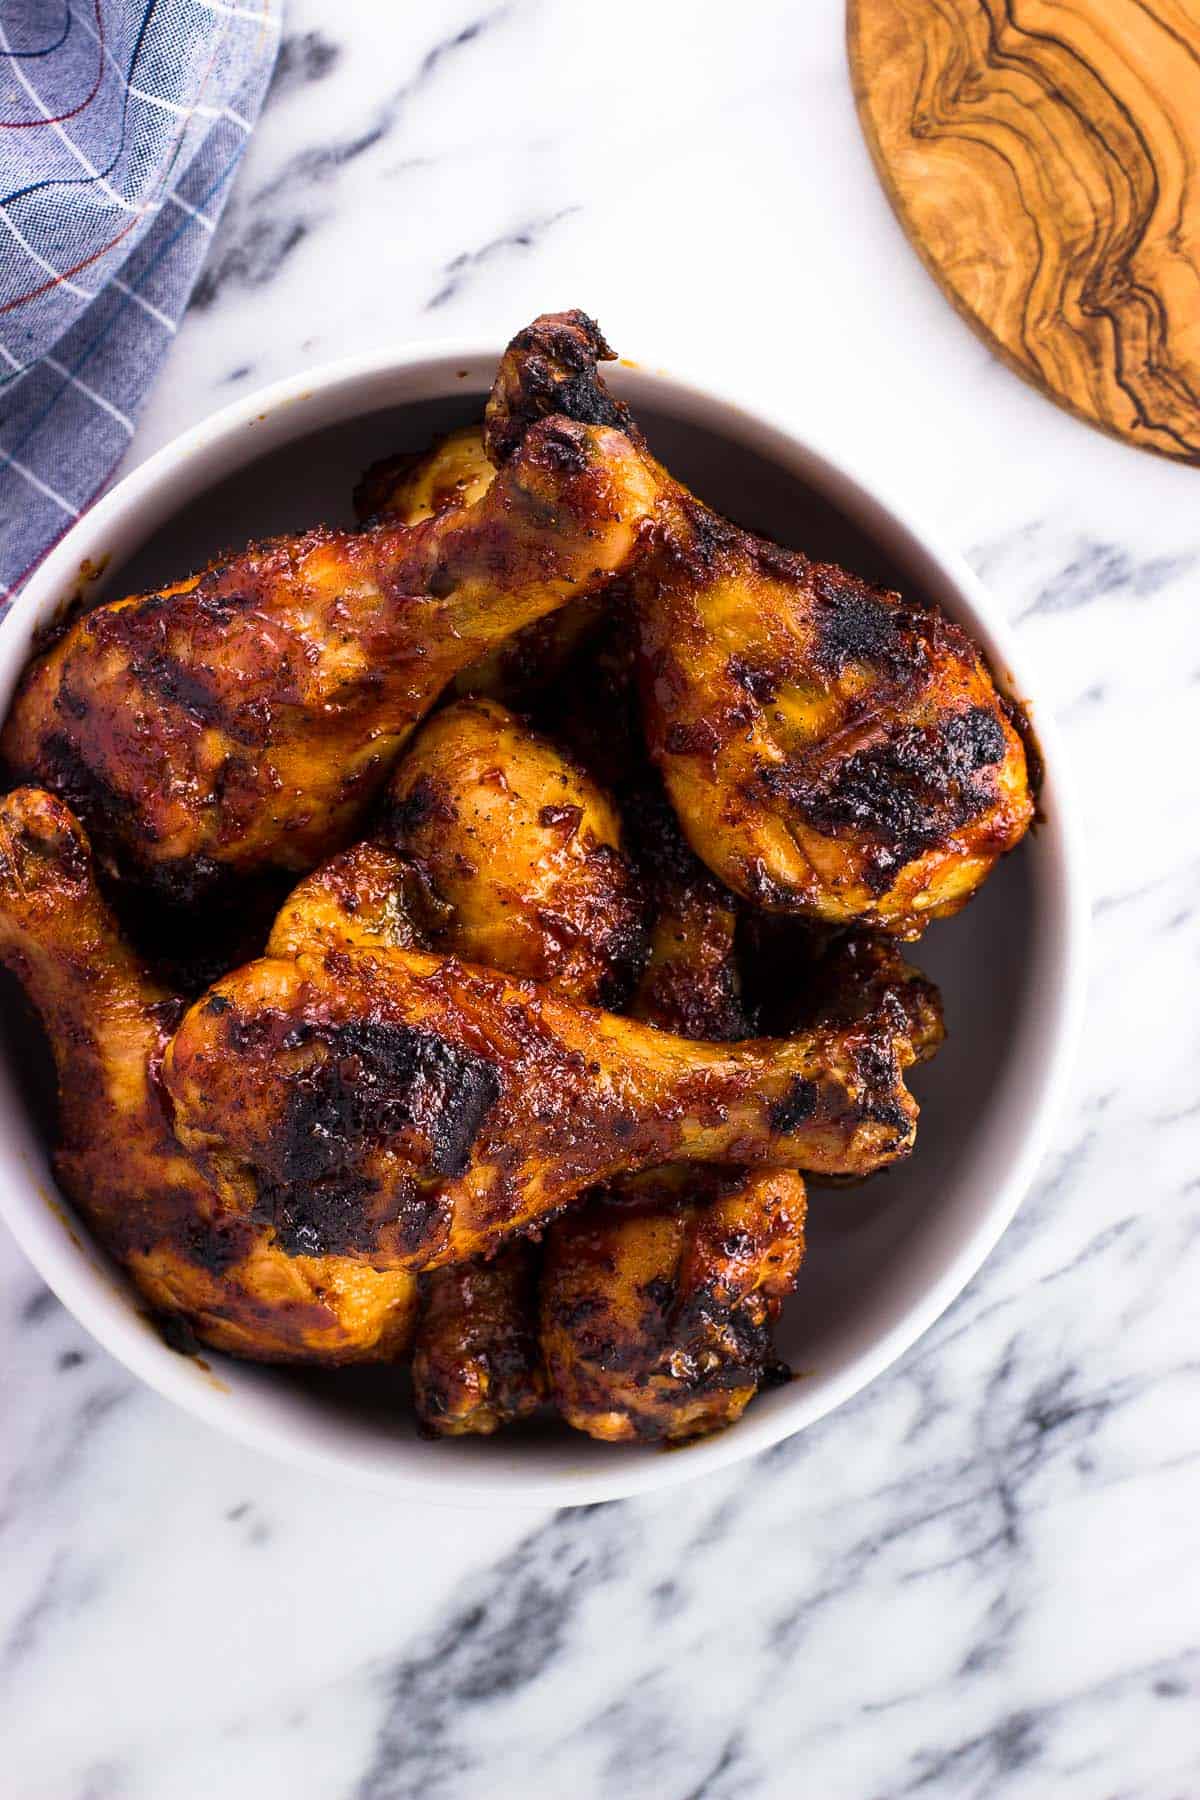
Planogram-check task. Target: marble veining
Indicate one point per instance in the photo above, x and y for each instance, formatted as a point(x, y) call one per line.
point(979, 1580)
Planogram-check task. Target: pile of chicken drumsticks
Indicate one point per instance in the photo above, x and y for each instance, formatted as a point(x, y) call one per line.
point(585, 789)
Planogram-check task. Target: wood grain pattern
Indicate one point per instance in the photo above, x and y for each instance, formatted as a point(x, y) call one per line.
point(1044, 156)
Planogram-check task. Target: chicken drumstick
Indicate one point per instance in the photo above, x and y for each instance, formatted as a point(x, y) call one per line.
point(830, 748)
point(108, 1022)
point(243, 721)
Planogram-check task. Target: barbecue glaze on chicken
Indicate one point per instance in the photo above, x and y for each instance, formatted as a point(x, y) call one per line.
point(831, 749)
point(220, 1274)
point(246, 720)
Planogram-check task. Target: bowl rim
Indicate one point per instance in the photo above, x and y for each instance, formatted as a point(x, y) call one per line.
point(78, 1273)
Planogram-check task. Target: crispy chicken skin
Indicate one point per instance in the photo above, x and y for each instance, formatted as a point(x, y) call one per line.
point(454, 471)
point(477, 1363)
point(691, 982)
point(657, 1300)
point(658, 1293)
point(795, 977)
point(830, 748)
point(362, 898)
point(519, 853)
point(697, 1348)
point(119, 1161)
point(411, 488)
point(412, 1110)
point(520, 859)
point(247, 722)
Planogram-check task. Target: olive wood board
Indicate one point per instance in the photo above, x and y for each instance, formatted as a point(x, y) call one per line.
point(1044, 158)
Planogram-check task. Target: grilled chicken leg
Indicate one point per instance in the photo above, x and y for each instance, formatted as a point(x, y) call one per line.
point(658, 1294)
point(108, 1022)
point(830, 748)
point(245, 720)
point(519, 853)
point(412, 1110)
point(655, 1304)
point(454, 470)
point(476, 1361)
point(657, 1299)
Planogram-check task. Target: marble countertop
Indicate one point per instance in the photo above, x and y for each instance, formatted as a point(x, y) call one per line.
point(979, 1579)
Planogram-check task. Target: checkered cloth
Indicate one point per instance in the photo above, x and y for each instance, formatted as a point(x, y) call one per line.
point(121, 124)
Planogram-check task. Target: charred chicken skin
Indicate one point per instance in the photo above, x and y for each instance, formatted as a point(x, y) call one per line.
point(454, 470)
point(476, 1359)
point(108, 1023)
point(412, 1110)
point(658, 1293)
point(830, 748)
point(685, 1355)
point(245, 721)
point(477, 1363)
point(657, 1300)
point(519, 853)
point(422, 1119)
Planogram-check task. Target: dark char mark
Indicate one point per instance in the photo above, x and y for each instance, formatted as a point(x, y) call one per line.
point(876, 1067)
point(559, 376)
point(854, 623)
point(758, 680)
point(178, 685)
point(63, 768)
point(908, 793)
point(797, 1105)
point(425, 801)
point(376, 1081)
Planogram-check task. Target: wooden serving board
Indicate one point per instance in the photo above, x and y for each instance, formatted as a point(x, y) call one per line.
point(1044, 157)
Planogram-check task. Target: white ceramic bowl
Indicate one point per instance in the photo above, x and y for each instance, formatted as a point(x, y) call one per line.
point(884, 1260)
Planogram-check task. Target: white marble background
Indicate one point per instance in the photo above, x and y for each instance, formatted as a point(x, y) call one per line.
point(980, 1581)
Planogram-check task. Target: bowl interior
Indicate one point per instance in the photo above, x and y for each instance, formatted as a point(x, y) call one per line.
point(883, 1258)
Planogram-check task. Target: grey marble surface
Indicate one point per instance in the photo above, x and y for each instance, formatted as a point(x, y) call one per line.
point(982, 1577)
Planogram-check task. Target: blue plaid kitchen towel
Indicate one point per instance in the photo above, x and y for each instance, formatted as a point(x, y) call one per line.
point(121, 124)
